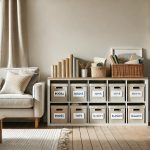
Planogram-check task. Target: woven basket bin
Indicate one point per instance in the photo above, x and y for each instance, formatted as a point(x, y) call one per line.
point(128, 70)
point(98, 71)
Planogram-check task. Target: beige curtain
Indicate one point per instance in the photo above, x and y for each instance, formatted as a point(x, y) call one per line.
point(12, 51)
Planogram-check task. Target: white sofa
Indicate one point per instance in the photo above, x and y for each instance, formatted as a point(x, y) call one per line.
point(27, 105)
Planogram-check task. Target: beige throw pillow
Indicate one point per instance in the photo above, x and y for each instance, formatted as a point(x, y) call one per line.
point(15, 83)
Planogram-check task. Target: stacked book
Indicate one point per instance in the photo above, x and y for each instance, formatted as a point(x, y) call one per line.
point(67, 68)
point(113, 59)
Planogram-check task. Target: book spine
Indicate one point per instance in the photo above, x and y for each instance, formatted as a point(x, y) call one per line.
point(74, 67)
point(55, 71)
point(59, 70)
point(52, 71)
point(77, 68)
point(71, 66)
point(67, 67)
point(63, 68)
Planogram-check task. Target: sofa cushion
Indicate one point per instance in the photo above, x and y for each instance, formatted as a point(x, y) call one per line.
point(27, 70)
point(16, 101)
point(15, 83)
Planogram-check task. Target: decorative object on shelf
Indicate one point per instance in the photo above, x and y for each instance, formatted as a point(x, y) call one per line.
point(84, 68)
point(129, 62)
point(84, 73)
point(66, 68)
point(98, 68)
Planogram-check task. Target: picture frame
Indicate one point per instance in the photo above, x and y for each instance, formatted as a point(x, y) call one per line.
point(124, 54)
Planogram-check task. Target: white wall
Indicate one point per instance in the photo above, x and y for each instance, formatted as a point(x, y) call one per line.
point(86, 28)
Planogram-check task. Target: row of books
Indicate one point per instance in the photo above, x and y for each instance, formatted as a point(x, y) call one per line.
point(114, 59)
point(67, 68)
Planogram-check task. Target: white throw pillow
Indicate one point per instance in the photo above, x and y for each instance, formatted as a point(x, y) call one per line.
point(15, 83)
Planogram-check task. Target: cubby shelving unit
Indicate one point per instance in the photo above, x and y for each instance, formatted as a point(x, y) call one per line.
point(107, 103)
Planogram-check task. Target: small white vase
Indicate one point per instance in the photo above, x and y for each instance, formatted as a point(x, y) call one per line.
point(84, 73)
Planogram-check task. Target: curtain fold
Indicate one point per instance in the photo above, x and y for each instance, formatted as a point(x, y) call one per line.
point(12, 51)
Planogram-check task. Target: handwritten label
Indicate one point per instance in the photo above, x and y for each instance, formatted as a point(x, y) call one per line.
point(98, 116)
point(117, 116)
point(78, 115)
point(59, 93)
point(78, 93)
point(59, 115)
point(136, 116)
point(116, 94)
point(97, 93)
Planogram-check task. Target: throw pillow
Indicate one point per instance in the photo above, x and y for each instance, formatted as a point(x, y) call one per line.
point(1, 81)
point(34, 79)
point(15, 83)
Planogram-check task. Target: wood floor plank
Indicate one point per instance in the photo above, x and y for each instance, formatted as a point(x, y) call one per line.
point(102, 139)
point(120, 139)
point(129, 139)
point(86, 143)
point(138, 137)
point(114, 144)
point(71, 139)
point(94, 139)
point(77, 143)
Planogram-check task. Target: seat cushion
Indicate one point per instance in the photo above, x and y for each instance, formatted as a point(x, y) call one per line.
point(16, 101)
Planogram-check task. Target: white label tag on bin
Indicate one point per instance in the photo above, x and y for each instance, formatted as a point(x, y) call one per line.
point(97, 115)
point(59, 115)
point(117, 116)
point(78, 93)
point(78, 115)
point(59, 93)
point(135, 93)
point(136, 116)
point(97, 93)
point(116, 94)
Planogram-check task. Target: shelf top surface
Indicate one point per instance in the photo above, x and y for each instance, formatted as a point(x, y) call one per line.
point(90, 78)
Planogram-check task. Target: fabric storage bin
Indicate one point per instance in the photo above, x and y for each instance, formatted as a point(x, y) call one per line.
point(59, 114)
point(117, 114)
point(98, 92)
point(136, 92)
point(116, 92)
point(59, 92)
point(136, 114)
point(78, 114)
point(78, 92)
point(97, 114)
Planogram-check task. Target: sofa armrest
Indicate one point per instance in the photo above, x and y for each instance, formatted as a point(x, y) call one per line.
point(39, 99)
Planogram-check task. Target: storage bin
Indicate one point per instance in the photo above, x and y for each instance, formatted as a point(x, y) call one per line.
point(59, 92)
point(78, 92)
point(117, 114)
point(78, 114)
point(136, 114)
point(97, 114)
point(59, 114)
point(116, 92)
point(136, 92)
point(98, 72)
point(128, 70)
point(97, 92)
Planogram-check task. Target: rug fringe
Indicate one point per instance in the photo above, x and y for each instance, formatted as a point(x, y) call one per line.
point(63, 143)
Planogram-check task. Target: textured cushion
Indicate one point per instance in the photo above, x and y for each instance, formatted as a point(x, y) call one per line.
point(34, 79)
point(15, 83)
point(16, 101)
point(1, 81)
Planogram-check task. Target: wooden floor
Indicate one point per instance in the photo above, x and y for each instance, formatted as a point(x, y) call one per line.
point(103, 137)
point(110, 138)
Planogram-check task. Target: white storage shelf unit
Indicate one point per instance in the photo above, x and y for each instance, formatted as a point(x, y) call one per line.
point(97, 101)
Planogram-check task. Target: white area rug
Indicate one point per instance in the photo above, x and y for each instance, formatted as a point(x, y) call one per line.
point(30, 139)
